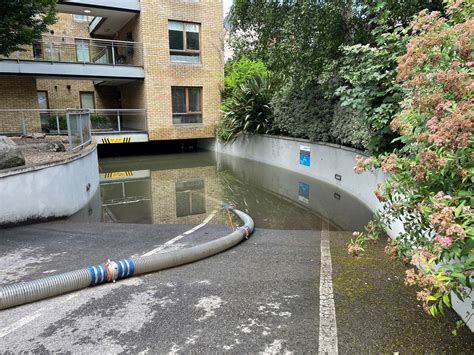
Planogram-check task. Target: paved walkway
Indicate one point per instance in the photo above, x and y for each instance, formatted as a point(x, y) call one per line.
point(261, 296)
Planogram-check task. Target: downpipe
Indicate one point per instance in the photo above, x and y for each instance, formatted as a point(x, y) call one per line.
point(112, 271)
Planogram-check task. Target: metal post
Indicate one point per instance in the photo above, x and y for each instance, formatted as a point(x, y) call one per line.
point(79, 125)
point(51, 52)
point(23, 123)
point(113, 54)
point(118, 121)
point(57, 124)
point(69, 134)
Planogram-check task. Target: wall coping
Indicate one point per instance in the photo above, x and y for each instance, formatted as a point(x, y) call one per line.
point(25, 169)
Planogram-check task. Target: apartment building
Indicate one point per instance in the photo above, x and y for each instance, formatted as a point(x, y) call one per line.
point(147, 70)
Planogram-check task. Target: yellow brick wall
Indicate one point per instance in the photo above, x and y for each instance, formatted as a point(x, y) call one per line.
point(161, 74)
point(64, 94)
point(18, 92)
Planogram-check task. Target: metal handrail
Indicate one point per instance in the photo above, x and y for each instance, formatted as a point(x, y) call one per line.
point(108, 120)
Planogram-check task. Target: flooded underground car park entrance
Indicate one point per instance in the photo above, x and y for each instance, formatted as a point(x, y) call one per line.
point(263, 295)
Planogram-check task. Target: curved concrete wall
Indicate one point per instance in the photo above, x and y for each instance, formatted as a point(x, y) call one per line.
point(53, 190)
point(330, 163)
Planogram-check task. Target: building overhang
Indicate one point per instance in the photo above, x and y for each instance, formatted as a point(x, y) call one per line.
point(70, 70)
point(78, 6)
point(108, 16)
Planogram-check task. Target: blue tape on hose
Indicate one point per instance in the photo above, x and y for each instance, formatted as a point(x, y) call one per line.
point(120, 269)
point(132, 267)
point(93, 274)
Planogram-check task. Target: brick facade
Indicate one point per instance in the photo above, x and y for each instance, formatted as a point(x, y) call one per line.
point(18, 93)
point(150, 27)
point(161, 74)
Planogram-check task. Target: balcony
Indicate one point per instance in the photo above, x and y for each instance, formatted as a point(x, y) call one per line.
point(107, 125)
point(77, 57)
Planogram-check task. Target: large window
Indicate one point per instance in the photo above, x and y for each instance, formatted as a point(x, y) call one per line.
point(87, 99)
point(184, 42)
point(187, 102)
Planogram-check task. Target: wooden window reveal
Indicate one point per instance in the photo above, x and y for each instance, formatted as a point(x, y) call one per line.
point(186, 104)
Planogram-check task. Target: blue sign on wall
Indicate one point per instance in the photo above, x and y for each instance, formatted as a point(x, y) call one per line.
point(305, 155)
point(303, 192)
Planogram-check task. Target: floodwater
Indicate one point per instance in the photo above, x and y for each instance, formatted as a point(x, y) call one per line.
point(187, 188)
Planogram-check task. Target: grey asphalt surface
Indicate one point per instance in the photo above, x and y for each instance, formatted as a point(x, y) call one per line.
point(260, 296)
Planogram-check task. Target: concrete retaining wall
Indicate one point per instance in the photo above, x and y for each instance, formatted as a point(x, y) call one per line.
point(47, 191)
point(330, 163)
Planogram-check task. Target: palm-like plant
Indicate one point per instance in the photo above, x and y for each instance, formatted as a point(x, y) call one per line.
point(248, 110)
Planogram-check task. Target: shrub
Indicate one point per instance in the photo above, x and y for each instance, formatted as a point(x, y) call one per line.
point(248, 110)
point(99, 121)
point(430, 186)
point(239, 71)
point(303, 113)
point(370, 90)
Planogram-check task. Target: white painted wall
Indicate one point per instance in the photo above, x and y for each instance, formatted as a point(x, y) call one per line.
point(54, 190)
point(326, 161)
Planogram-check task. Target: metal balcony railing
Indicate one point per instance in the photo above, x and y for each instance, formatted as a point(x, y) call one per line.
point(63, 49)
point(116, 121)
point(28, 121)
point(74, 123)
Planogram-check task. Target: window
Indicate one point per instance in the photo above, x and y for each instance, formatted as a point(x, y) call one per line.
point(43, 103)
point(184, 42)
point(190, 198)
point(82, 51)
point(87, 99)
point(186, 102)
point(82, 18)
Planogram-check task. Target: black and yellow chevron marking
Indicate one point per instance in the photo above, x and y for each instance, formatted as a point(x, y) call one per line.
point(116, 140)
point(118, 174)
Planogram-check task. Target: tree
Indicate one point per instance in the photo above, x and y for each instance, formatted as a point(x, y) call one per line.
point(23, 21)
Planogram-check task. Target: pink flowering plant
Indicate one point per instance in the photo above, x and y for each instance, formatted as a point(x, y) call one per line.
point(430, 180)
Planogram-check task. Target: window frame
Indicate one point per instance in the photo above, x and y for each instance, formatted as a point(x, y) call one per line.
point(87, 92)
point(186, 98)
point(194, 51)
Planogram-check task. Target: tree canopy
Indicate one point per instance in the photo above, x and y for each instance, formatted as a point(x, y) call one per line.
point(23, 21)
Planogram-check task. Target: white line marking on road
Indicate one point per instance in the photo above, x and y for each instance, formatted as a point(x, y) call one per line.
point(175, 239)
point(20, 323)
point(327, 310)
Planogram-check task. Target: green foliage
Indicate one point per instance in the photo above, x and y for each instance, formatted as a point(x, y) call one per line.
point(430, 186)
point(239, 71)
point(370, 90)
point(248, 110)
point(302, 113)
point(53, 125)
point(99, 121)
point(294, 38)
point(23, 22)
